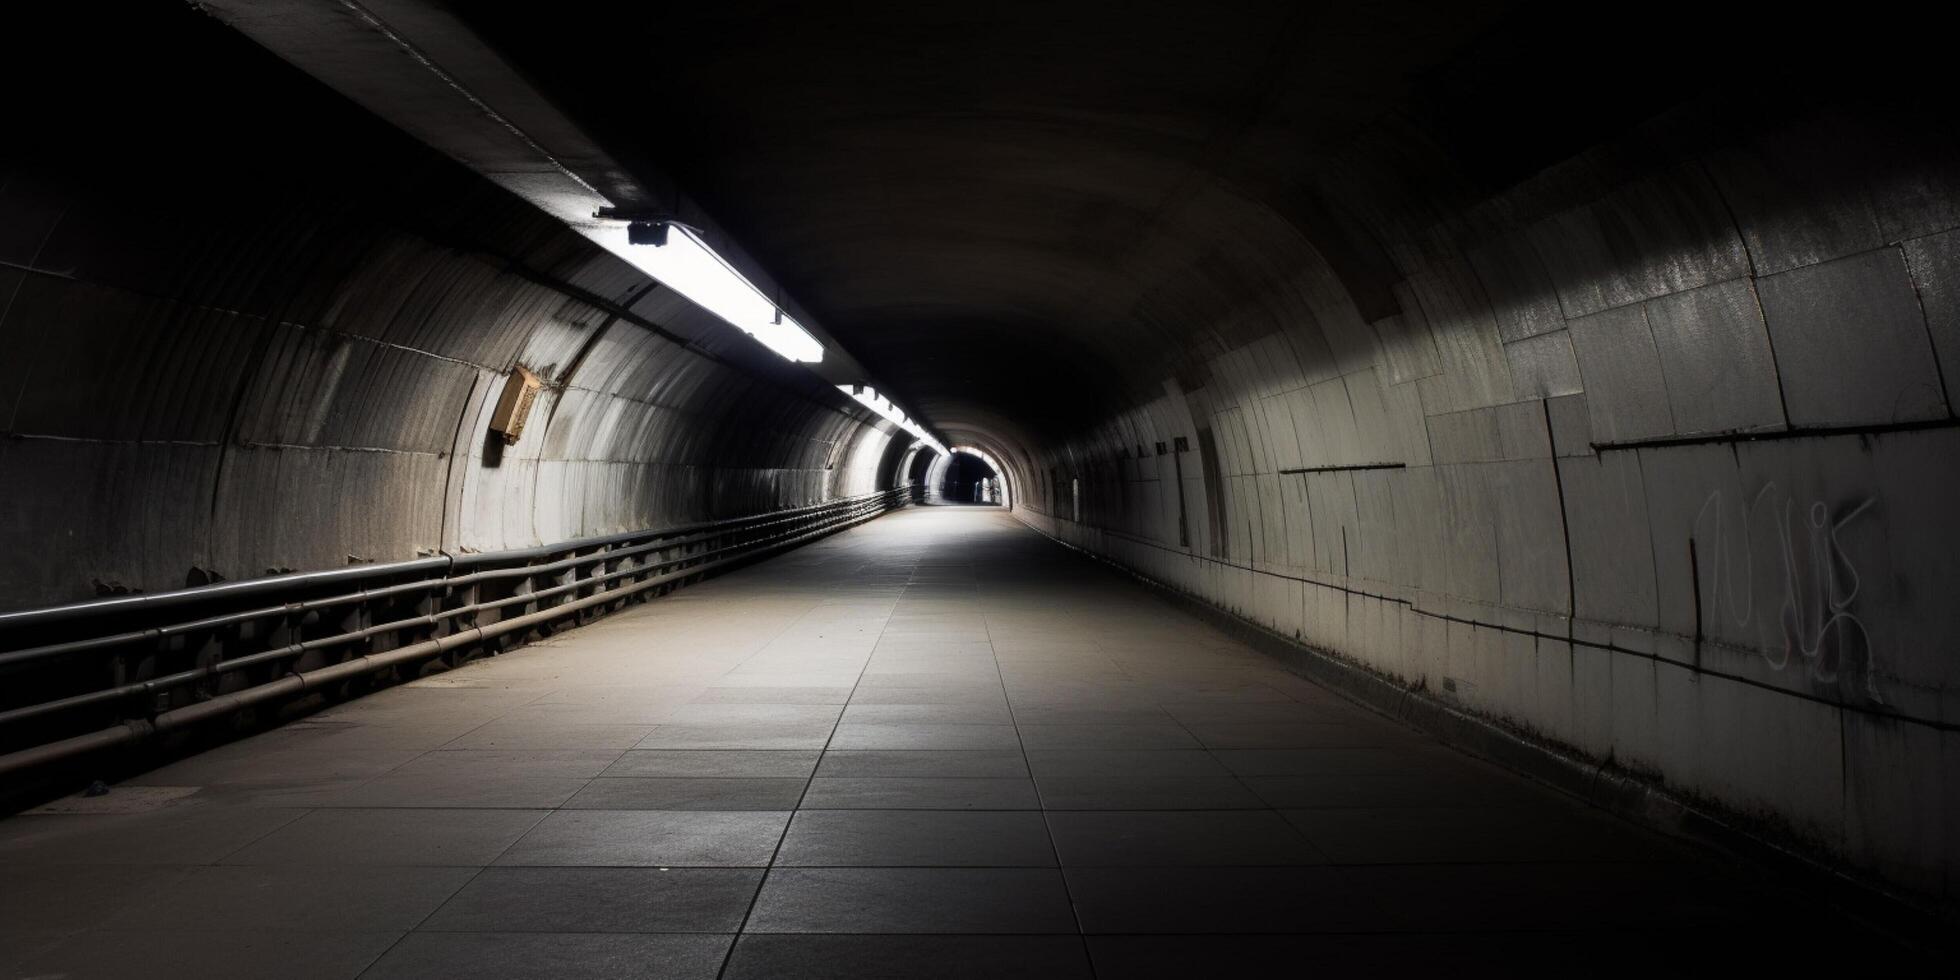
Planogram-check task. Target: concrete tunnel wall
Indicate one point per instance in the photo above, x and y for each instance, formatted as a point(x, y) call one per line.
point(269, 336)
point(1570, 537)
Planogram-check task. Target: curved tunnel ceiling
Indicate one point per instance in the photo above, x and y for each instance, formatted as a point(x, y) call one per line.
point(962, 194)
point(1032, 213)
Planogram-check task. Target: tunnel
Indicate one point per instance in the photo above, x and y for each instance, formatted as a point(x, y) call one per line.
point(962, 475)
point(1063, 489)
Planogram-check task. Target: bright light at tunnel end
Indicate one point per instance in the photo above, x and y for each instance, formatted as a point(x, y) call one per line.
point(688, 266)
point(869, 397)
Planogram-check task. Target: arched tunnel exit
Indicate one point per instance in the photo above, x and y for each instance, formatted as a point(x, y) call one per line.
point(961, 475)
point(910, 489)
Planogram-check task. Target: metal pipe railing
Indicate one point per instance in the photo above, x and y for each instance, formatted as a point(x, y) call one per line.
point(80, 678)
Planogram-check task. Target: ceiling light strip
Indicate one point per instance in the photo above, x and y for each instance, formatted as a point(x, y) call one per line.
point(685, 264)
point(869, 397)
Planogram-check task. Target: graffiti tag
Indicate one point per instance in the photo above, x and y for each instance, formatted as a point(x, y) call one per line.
point(1790, 554)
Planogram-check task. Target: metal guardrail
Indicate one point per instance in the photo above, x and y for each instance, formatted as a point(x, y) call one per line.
point(80, 678)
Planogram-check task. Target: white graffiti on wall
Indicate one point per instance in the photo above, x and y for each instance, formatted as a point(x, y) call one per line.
point(1792, 554)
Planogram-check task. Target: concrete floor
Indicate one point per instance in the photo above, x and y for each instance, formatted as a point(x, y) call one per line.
point(934, 745)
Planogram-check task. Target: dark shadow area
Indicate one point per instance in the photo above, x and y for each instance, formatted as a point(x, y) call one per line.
point(968, 480)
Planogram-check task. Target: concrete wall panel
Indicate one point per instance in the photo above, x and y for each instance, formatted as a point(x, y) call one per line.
point(1746, 615)
point(1935, 265)
point(1851, 343)
point(1626, 389)
point(1715, 354)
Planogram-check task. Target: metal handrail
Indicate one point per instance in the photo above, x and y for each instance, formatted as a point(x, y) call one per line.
point(90, 675)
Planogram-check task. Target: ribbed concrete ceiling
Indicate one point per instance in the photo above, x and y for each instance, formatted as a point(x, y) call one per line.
point(981, 201)
point(960, 190)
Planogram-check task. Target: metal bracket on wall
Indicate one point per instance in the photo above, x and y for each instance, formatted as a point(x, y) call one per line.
point(1345, 468)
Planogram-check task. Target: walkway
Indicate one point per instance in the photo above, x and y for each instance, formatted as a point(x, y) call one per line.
point(935, 745)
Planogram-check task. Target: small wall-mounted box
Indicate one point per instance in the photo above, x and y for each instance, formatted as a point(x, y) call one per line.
point(514, 405)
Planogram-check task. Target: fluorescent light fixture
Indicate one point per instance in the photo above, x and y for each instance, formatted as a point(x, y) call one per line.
point(870, 398)
point(686, 265)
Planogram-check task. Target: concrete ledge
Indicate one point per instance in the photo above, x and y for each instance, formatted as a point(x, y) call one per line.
point(1912, 919)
